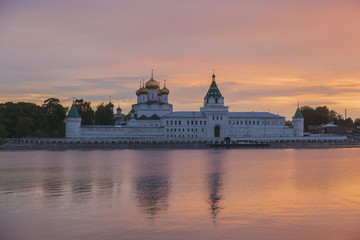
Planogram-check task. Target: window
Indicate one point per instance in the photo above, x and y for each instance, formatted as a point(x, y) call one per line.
point(245, 122)
point(167, 122)
point(195, 122)
point(179, 122)
point(171, 122)
point(192, 122)
point(175, 122)
point(257, 122)
point(200, 122)
point(188, 122)
point(204, 122)
point(216, 100)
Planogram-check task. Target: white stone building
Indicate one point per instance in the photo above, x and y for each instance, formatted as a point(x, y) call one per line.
point(153, 118)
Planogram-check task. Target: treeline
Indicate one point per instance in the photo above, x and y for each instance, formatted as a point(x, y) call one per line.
point(323, 115)
point(25, 119)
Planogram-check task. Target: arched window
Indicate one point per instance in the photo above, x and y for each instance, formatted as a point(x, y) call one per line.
point(216, 100)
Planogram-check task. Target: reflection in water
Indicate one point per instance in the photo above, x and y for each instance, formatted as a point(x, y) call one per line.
point(214, 179)
point(153, 185)
point(53, 182)
point(267, 194)
point(81, 185)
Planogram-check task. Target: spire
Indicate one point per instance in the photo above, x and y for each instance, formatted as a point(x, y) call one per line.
point(164, 83)
point(73, 113)
point(213, 76)
point(298, 113)
point(213, 90)
point(152, 73)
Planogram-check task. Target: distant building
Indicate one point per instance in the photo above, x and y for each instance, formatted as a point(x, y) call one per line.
point(152, 117)
point(329, 128)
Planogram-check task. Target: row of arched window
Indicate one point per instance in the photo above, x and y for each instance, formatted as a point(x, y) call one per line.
point(188, 122)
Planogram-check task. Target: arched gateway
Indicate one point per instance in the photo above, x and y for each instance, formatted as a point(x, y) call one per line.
point(217, 131)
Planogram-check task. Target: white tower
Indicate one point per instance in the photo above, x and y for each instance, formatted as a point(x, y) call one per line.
point(73, 123)
point(216, 112)
point(298, 123)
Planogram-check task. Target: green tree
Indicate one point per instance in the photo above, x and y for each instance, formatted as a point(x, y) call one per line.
point(24, 127)
point(3, 132)
point(104, 115)
point(55, 115)
point(357, 122)
point(86, 112)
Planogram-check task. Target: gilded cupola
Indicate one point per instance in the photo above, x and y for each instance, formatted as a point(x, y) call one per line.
point(152, 83)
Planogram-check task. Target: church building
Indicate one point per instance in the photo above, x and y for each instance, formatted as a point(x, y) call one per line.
point(153, 118)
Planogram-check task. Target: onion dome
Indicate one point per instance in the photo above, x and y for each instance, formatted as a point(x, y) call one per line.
point(118, 109)
point(152, 84)
point(164, 90)
point(111, 105)
point(140, 91)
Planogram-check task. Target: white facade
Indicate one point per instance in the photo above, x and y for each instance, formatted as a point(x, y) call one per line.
point(152, 117)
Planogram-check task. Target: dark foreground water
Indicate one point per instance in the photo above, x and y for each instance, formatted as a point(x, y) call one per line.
point(180, 194)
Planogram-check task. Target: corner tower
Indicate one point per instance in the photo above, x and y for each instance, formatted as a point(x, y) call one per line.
point(298, 123)
point(73, 123)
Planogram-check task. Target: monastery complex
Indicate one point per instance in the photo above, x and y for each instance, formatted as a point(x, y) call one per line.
point(153, 118)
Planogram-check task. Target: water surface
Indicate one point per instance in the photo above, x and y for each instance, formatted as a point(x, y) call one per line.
point(180, 194)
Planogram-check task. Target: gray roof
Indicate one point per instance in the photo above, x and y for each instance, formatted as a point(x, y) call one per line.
point(253, 115)
point(185, 115)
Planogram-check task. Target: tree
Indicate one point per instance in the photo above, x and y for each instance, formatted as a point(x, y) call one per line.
point(55, 115)
point(288, 123)
point(104, 115)
point(322, 115)
point(24, 127)
point(3, 132)
point(357, 122)
point(86, 112)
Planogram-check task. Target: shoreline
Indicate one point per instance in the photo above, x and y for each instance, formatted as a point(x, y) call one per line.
point(170, 146)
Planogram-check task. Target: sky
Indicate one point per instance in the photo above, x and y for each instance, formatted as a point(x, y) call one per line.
point(267, 54)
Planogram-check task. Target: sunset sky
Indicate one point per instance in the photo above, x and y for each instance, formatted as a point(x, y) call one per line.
point(267, 54)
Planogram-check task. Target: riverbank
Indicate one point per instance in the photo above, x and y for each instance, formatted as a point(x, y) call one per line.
point(51, 145)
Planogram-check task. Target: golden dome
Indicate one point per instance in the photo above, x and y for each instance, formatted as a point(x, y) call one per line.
point(164, 90)
point(152, 84)
point(141, 90)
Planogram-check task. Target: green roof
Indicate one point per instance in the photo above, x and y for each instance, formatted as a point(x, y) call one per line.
point(213, 91)
point(298, 113)
point(73, 113)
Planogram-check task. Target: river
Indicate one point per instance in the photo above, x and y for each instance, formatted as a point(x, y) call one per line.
point(180, 194)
